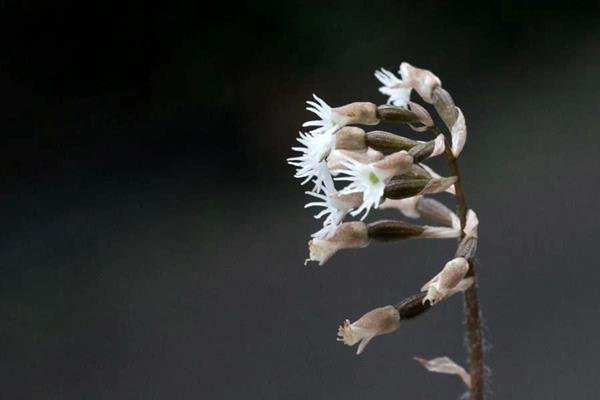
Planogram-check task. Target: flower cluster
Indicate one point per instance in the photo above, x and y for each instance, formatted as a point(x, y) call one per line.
point(354, 172)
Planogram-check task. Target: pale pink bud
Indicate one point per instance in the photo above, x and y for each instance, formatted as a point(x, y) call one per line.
point(448, 282)
point(423, 115)
point(347, 236)
point(459, 133)
point(445, 365)
point(376, 322)
point(422, 80)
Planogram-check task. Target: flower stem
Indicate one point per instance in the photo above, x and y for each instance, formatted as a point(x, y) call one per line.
point(471, 309)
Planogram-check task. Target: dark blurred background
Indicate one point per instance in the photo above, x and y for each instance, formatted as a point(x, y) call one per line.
point(152, 235)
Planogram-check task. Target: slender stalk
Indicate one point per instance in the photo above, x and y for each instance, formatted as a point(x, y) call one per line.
point(473, 314)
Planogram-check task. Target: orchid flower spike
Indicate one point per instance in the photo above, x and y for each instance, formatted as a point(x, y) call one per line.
point(370, 179)
point(376, 322)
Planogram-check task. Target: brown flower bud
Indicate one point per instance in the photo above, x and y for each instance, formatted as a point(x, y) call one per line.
point(388, 230)
point(445, 107)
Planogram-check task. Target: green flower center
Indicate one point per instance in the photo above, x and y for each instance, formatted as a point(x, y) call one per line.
point(373, 178)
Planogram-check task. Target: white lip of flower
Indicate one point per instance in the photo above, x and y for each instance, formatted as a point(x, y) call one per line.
point(397, 90)
point(334, 204)
point(329, 119)
point(374, 323)
point(367, 179)
point(311, 163)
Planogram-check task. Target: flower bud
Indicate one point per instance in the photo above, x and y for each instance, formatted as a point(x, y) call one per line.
point(401, 187)
point(437, 213)
point(348, 235)
point(388, 142)
point(351, 138)
point(422, 80)
point(376, 322)
point(468, 245)
point(449, 281)
point(363, 113)
point(459, 133)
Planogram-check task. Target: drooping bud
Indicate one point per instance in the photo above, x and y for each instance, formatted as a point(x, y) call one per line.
point(459, 134)
point(422, 80)
point(351, 138)
point(387, 142)
point(376, 322)
point(445, 365)
point(438, 185)
point(449, 281)
point(335, 161)
point(363, 113)
point(348, 235)
point(434, 174)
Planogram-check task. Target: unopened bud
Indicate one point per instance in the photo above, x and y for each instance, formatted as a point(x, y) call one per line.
point(449, 281)
point(401, 187)
point(348, 235)
point(351, 138)
point(363, 113)
point(459, 134)
point(387, 142)
point(376, 322)
point(438, 185)
point(468, 245)
point(422, 80)
point(388, 230)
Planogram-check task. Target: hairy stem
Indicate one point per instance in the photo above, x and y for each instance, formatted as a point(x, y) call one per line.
point(473, 314)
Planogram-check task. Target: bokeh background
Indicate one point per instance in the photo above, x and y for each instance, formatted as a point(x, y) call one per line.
point(152, 237)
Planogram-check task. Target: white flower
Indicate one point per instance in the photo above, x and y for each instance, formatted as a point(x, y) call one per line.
point(335, 206)
point(370, 179)
point(397, 90)
point(376, 322)
point(312, 163)
point(328, 118)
